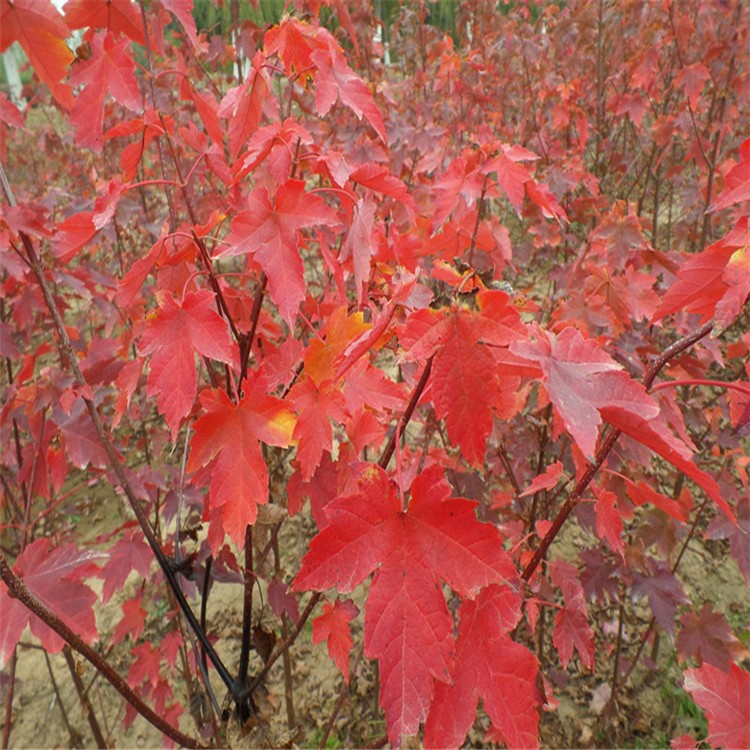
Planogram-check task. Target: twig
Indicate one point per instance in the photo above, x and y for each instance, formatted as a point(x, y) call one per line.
point(88, 709)
point(17, 589)
point(609, 441)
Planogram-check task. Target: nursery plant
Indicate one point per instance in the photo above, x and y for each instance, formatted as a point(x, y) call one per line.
point(423, 326)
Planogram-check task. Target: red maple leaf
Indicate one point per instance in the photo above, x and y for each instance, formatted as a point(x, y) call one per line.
point(724, 699)
point(336, 80)
point(243, 105)
point(316, 406)
point(109, 70)
point(230, 433)
point(333, 627)
point(715, 282)
point(608, 519)
point(361, 243)
point(491, 665)
point(270, 232)
point(544, 481)
point(407, 624)
point(173, 335)
point(73, 233)
point(642, 493)
point(118, 16)
point(133, 620)
point(53, 575)
point(572, 629)
point(511, 175)
point(580, 379)
point(466, 383)
point(40, 29)
point(131, 553)
point(737, 181)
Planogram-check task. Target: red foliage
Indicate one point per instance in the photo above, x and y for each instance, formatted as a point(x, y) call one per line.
point(417, 281)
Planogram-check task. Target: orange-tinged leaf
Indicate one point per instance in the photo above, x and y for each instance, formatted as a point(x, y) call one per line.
point(231, 434)
point(339, 331)
point(40, 29)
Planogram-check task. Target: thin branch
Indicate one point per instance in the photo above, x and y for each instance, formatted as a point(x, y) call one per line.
point(609, 441)
point(17, 589)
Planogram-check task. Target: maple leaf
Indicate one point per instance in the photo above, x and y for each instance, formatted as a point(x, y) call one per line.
point(466, 382)
point(737, 181)
point(109, 69)
point(491, 665)
point(270, 232)
point(278, 139)
point(663, 590)
point(316, 406)
point(131, 553)
point(73, 233)
point(282, 601)
point(230, 433)
point(655, 434)
point(82, 443)
point(407, 624)
point(179, 329)
point(378, 178)
point(333, 627)
point(294, 41)
point(54, 576)
point(462, 180)
point(145, 666)
point(641, 493)
point(706, 636)
point(545, 481)
point(581, 379)
point(40, 29)
point(738, 534)
point(243, 105)
point(608, 519)
point(133, 620)
point(723, 696)
point(118, 16)
point(183, 11)
point(360, 244)
point(715, 281)
point(336, 80)
point(572, 629)
point(511, 175)
point(691, 79)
